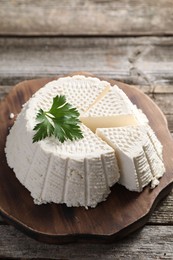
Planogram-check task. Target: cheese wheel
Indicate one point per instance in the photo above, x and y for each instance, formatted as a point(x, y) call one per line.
point(118, 146)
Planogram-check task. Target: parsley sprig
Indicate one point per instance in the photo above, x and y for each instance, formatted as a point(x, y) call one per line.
point(61, 121)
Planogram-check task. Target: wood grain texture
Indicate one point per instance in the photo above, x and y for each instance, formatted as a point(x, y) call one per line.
point(50, 222)
point(165, 102)
point(145, 61)
point(163, 214)
point(152, 242)
point(170, 122)
point(90, 17)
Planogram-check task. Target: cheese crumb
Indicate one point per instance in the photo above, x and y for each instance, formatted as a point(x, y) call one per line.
point(154, 183)
point(11, 116)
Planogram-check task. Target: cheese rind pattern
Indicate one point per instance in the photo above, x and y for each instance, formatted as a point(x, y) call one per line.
point(80, 173)
point(140, 161)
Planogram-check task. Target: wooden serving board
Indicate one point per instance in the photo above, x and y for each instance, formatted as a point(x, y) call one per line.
point(122, 213)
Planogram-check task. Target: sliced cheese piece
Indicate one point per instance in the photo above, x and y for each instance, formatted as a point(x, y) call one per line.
point(140, 161)
point(78, 173)
point(112, 110)
point(95, 122)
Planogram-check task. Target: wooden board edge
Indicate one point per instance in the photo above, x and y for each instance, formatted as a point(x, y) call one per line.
point(87, 238)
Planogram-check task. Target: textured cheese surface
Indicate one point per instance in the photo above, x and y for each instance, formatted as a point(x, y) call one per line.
point(80, 173)
point(76, 173)
point(139, 154)
point(116, 103)
point(56, 172)
point(80, 91)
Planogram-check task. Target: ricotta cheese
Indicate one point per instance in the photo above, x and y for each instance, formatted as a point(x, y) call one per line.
point(81, 92)
point(112, 110)
point(78, 173)
point(118, 145)
point(138, 153)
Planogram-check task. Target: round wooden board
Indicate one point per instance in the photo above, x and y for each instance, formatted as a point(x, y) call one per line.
point(122, 213)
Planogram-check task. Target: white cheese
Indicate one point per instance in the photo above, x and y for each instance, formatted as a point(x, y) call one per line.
point(95, 122)
point(46, 167)
point(112, 110)
point(80, 173)
point(77, 173)
point(79, 91)
point(140, 161)
point(11, 116)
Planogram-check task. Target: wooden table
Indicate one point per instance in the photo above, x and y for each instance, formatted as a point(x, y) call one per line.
point(130, 41)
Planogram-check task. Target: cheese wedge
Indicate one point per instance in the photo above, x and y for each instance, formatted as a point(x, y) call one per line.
point(138, 153)
point(112, 110)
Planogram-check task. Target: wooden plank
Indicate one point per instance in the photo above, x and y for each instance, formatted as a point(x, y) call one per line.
point(4, 90)
point(137, 61)
point(162, 89)
point(170, 122)
point(90, 17)
point(165, 102)
point(163, 214)
point(152, 242)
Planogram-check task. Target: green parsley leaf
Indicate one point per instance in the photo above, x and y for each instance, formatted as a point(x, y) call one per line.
point(61, 121)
